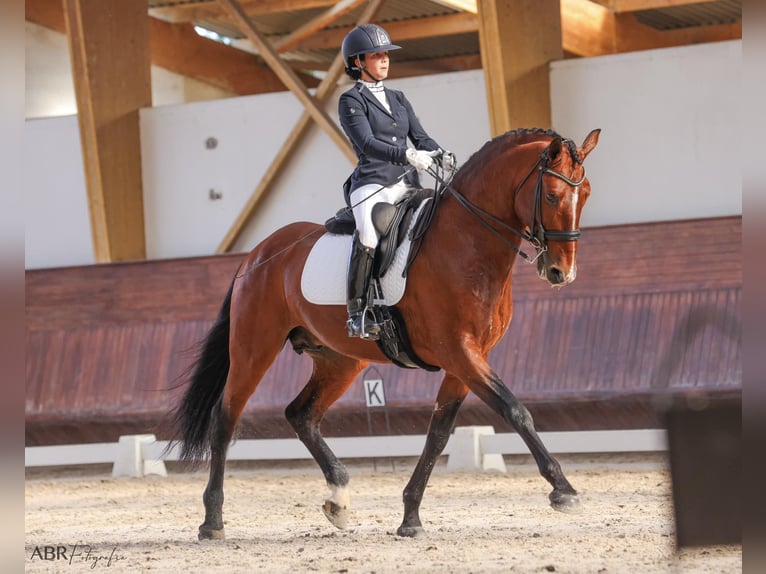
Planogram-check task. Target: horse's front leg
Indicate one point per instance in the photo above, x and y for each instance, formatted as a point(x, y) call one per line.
point(491, 389)
point(333, 374)
point(451, 395)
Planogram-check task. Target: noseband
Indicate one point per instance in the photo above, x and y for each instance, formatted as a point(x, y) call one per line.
point(537, 235)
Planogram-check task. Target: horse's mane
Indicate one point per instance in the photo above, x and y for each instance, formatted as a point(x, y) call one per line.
point(514, 137)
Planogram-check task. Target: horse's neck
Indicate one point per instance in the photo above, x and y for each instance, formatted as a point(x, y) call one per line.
point(491, 184)
point(461, 234)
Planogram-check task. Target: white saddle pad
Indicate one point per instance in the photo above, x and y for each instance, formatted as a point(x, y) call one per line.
point(324, 275)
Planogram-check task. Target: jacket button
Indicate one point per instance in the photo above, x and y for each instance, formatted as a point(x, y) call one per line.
point(394, 124)
point(393, 139)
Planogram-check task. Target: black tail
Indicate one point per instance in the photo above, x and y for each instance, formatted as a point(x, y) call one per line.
point(200, 403)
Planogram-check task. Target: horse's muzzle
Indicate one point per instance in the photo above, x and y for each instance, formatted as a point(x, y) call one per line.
point(554, 274)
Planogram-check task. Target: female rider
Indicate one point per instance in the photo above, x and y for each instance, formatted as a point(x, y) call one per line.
point(378, 121)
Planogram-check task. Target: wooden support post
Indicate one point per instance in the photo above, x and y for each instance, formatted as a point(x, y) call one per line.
point(518, 39)
point(109, 47)
point(325, 89)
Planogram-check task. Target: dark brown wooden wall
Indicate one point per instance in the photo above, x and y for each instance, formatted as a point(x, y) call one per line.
point(107, 343)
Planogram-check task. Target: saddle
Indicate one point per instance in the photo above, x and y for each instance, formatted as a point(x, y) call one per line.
point(391, 222)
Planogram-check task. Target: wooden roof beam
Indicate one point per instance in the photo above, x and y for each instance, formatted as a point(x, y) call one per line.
point(399, 31)
point(425, 67)
point(435, 66)
point(621, 6)
point(212, 10)
point(47, 13)
point(178, 48)
point(461, 5)
point(309, 28)
point(631, 35)
point(589, 29)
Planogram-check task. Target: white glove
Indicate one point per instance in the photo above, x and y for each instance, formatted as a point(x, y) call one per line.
point(419, 159)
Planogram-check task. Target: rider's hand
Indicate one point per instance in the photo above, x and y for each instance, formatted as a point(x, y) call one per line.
point(419, 159)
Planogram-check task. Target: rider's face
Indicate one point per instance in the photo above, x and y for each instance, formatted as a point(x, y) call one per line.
point(374, 66)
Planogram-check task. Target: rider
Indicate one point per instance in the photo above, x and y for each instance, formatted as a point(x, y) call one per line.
point(378, 121)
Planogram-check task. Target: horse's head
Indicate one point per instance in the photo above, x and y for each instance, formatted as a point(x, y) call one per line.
point(552, 201)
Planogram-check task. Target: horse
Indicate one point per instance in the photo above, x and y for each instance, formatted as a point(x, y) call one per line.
point(525, 185)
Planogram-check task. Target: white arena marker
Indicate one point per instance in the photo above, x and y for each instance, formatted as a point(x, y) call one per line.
point(374, 394)
point(466, 453)
point(130, 460)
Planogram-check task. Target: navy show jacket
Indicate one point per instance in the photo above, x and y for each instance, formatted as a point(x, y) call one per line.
point(379, 138)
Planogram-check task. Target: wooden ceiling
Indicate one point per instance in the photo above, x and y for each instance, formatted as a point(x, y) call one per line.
point(438, 35)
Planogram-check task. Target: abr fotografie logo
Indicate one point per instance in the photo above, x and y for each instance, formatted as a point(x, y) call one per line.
point(77, 554)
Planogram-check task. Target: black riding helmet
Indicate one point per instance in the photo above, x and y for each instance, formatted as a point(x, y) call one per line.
point(364, 39)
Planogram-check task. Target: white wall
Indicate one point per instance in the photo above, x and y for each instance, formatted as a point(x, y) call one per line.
point(57, 225)
point(179, 172)
point(669, 149)
point(48, 73)
point(671, 121)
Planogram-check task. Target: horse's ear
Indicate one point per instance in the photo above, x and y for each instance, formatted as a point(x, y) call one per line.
point(554, 149)
point(590, 142)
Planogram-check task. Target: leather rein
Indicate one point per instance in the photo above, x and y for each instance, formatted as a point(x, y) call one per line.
point(538, 237)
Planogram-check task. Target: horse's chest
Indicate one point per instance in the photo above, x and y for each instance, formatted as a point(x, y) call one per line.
point(499, 318)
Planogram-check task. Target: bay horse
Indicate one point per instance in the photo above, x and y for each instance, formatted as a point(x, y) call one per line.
point(527, 185)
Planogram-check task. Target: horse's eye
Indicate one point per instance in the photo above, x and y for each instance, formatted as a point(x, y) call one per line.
point(550, 197)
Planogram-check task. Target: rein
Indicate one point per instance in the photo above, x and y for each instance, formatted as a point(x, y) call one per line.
point(538, 237)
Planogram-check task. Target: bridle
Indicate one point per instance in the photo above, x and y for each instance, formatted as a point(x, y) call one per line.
point(537, 235)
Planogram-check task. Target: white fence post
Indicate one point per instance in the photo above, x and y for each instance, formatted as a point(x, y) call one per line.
point(130, 460)
point(466, 452)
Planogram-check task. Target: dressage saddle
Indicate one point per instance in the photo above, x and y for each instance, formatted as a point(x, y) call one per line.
point(391, 222)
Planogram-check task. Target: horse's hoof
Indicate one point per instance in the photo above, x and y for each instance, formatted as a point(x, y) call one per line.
point(210, 533)
point(565, 502)
point(411, 531)
point(337, 515)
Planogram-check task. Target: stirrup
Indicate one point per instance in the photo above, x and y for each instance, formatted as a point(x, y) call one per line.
point(359, 325)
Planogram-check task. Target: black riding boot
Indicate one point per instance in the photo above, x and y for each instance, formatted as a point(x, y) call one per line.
point(360, 324)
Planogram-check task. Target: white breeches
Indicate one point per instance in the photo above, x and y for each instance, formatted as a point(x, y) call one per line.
point(363, 210)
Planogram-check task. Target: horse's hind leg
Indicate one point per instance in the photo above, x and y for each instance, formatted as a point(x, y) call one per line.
point(220, 436)
point(333, 374)
point(451, 395)
point(240, 385)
